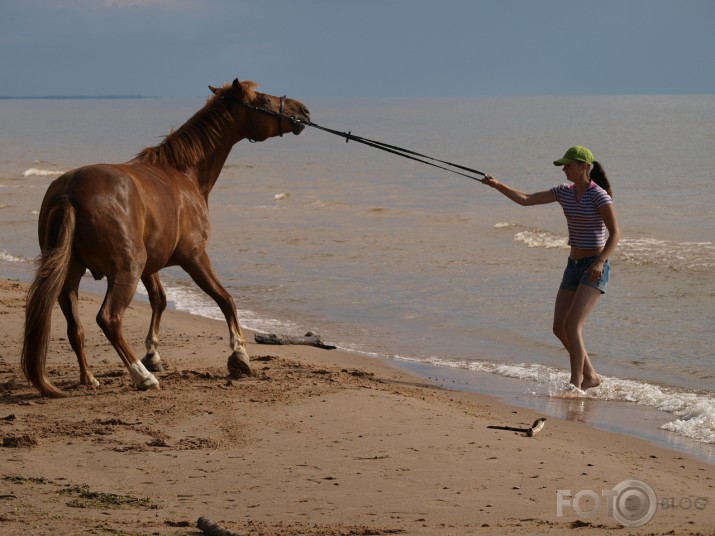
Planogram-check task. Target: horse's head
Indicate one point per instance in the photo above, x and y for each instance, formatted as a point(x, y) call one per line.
point(262, 116)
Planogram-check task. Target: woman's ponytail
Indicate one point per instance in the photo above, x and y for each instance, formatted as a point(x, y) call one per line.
point(598, 175)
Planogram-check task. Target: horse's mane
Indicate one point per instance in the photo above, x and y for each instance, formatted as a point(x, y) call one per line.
point(200, 135)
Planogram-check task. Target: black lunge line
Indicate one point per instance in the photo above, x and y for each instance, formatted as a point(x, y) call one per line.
point(406, 153)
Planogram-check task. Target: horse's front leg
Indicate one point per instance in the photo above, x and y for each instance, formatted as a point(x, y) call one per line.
point(201, 271)
point(157, 299)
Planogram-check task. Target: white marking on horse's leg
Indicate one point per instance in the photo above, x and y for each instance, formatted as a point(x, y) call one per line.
point(142, 378)
point(237, 341)
point(152, 359)
point(89, 380)
point(238, 345)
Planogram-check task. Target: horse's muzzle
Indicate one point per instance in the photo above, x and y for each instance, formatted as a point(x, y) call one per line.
point(299, 123)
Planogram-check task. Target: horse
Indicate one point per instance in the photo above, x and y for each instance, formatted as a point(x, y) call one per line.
point(127, 221)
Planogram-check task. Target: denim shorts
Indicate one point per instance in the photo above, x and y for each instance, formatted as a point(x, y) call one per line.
point(576, 274)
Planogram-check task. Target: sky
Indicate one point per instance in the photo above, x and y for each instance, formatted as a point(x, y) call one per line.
point(357, 48)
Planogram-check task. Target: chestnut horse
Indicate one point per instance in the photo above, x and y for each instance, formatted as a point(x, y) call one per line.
point(127, 221)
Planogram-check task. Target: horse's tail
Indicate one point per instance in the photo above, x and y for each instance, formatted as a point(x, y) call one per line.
point(53, 265)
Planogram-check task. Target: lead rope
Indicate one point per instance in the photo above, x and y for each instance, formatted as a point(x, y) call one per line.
point(406, 153)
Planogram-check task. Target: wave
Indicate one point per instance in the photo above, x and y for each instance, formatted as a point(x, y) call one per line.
point(676, 256)
point(188, 299)
point(40, 172)
point(693, 412)
point(9, 257)
point(536, 238)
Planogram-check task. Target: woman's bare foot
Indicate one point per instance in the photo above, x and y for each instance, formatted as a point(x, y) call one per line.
point(589, 383)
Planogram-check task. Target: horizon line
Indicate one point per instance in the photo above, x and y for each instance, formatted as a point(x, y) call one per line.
point(76, 97)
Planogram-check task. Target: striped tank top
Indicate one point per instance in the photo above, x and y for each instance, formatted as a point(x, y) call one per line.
point(586, 227)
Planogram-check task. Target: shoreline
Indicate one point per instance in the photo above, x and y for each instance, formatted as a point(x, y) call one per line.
point(623, 417)
point(320, 442)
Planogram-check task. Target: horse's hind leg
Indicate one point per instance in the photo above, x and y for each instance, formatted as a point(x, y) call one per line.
point(203, 275)
point(75, 332)
point(157, 299)
point(119, 296)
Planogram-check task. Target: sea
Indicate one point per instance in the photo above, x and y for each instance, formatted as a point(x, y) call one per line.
point(429, 270)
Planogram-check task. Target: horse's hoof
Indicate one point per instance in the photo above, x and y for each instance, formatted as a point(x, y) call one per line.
point(152, 362)
point(238, 366)
point(142, 378)
point(149, 384)
point(90, 382)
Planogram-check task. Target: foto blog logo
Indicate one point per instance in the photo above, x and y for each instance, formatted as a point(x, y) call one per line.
point(632, 503)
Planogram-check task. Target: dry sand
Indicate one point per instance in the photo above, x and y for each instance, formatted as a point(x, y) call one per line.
point(320, 442)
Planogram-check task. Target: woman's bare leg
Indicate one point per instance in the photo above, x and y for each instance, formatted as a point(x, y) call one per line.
point(571, 311)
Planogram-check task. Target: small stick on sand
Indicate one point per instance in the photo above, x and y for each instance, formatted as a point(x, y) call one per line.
point(536, 427)
point(530, 432)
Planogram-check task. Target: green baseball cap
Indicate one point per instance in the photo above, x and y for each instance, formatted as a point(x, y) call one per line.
point(578, 152)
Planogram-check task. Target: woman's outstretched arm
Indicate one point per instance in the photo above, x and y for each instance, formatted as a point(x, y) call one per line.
point(519, 197)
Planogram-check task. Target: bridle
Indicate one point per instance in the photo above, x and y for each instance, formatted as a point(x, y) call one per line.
point(280, 115)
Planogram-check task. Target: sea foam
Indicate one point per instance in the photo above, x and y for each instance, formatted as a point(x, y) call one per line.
point(8, 257)
point(40, 172)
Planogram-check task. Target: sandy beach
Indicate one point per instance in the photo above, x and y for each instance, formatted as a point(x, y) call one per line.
point(319, 442)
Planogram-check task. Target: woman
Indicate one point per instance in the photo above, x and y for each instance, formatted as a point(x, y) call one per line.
point(588, 207)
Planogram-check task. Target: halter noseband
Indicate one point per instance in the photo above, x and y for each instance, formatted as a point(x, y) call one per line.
point(279, 114)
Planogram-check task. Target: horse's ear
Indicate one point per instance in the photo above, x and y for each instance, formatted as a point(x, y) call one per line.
point(237, 89)
point(213, 89)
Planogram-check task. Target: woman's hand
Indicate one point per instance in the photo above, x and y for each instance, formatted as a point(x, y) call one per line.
point(596, 270)
point(489, 180)
point(519, 197)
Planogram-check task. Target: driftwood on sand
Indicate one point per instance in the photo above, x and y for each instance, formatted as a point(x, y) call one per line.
point(309, 339)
